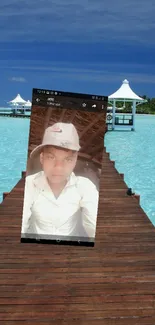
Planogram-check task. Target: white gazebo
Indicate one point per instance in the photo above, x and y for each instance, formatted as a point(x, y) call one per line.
point(28, 104)
point(124, 94)
point(17, 102)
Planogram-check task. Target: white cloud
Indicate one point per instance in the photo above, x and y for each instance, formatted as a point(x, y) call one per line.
point(58, 66)
point(17, 79)
point(92, 72)
point(104, 74)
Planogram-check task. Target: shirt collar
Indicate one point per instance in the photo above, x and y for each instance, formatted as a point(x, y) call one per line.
point(41, 183)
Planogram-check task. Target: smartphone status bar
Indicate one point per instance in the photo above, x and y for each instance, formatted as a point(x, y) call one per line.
point(46, 92)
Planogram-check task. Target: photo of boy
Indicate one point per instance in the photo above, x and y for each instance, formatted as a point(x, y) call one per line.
point(56, 201)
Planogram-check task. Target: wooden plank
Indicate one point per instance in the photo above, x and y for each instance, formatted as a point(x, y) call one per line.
point(111, 284)
point(114, 321)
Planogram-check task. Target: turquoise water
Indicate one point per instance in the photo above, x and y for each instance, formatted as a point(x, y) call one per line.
point(14, 134)
point(134, 153)
point(3, 109)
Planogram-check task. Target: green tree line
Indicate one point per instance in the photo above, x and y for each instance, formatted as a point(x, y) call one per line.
point(146, 108)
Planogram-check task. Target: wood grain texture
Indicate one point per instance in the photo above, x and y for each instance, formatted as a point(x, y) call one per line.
point(111, 284)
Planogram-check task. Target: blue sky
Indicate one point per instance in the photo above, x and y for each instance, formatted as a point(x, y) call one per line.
point(84, 46)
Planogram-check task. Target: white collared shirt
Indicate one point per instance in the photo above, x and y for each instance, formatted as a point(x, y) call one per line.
point(73, 213)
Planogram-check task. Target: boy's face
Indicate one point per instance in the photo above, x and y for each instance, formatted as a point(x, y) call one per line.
point(58, 163)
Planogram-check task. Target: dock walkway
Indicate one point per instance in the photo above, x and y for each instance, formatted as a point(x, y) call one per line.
point(18, 115)
point(110, 284)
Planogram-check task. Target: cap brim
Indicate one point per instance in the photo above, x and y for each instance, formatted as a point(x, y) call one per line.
point(38, 149)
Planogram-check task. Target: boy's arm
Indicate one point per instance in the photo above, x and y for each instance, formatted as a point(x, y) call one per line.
point(89, 205)
point(27, 203)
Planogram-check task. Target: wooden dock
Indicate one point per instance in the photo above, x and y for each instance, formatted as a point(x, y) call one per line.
point(110, 284)
point(14, 115)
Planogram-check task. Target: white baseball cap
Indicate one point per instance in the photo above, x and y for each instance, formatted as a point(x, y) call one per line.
point(63, 135)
